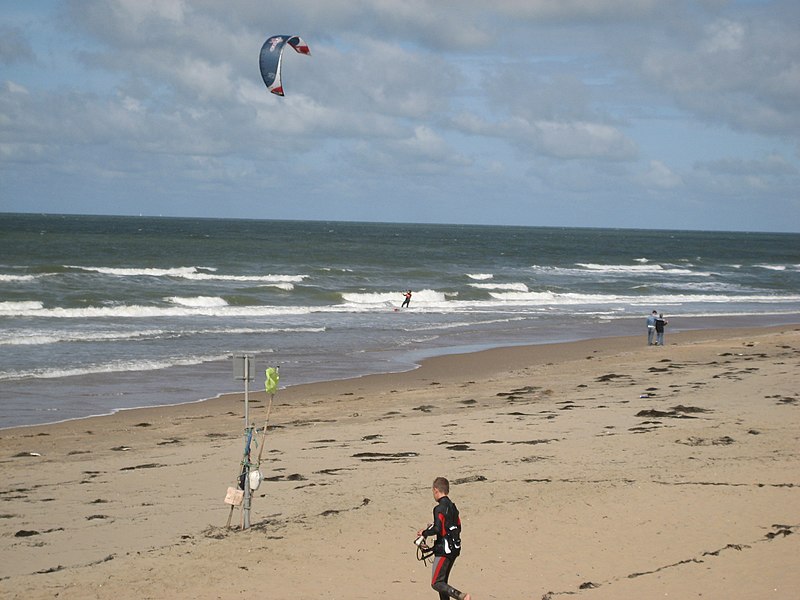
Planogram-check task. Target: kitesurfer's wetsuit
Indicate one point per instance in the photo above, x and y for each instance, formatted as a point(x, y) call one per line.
point(447, 529)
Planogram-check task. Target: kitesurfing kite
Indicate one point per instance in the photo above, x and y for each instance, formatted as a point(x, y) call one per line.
point(270, 59)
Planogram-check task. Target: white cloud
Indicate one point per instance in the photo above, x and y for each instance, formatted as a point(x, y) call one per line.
point(555, 139)
point(723, 36)
point(584, 140)
point(659, 175)
point(770, 165)
point(580, 10)
point(742, 73)
point(204, 79)
point(141, 11)
point(14, 88)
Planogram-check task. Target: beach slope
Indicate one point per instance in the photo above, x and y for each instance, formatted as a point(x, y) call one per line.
point(597, 469)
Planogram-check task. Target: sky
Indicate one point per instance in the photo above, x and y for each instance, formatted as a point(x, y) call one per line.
point(676, 114)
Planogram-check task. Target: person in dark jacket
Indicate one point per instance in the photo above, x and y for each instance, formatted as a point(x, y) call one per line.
point(446, 527)
point(661, 322)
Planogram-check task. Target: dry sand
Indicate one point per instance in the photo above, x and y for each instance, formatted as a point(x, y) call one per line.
point(599, 469)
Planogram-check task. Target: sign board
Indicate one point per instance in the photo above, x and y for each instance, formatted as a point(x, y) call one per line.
point(244, 367)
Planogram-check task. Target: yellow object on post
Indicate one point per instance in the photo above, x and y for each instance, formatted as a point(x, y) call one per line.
point(271, 383)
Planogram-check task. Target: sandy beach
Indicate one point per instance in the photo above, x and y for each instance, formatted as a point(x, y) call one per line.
point(597, 469)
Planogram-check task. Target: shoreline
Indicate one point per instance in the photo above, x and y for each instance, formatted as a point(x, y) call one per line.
point(417, 358)
point(600, 468)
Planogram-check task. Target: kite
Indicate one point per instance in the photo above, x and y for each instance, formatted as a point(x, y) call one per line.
point(270, 59)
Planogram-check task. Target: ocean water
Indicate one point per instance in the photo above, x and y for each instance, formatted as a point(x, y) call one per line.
point(99, 314)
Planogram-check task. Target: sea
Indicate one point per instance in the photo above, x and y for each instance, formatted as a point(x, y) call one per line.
point(100, 314)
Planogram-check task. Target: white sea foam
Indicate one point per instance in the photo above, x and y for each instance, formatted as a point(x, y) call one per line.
point(198, 301)
point(192, 273)
point(15, 278)
point(140, 272)
point(637, 269)
point(384, 298)
point(281, 286)
point(526, 297)
point(110, 367)
point(134, 311)
point(553, 298)
point(18, 337)
point(480, 276)
point(14, 308)
point(705, 286)
point(274, 279)
point(373, 298)
point(516, 287)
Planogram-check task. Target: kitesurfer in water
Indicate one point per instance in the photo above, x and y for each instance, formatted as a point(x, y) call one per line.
point(407, 300)
point(446, 527)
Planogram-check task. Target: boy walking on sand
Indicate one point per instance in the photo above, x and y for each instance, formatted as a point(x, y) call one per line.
point(446, 527)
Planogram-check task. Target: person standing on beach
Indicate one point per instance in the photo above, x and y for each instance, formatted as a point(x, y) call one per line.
point(660, 324)
point(407, 301)
point(446, 527)
point(651, 327)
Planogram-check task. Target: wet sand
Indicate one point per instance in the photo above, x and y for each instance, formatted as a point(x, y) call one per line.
point(596, 469)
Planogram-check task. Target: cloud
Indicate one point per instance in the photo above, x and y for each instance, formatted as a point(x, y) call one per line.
point(741, 72)
point(577, 10)
point(14, 46)
point(559, 103)
point(723, 35)
point(554, 139)
point(583, 140)
point(772, 164)
point(660, 176)
point(767, 182)
point(372, 75)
